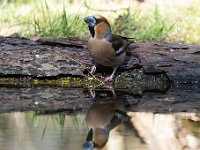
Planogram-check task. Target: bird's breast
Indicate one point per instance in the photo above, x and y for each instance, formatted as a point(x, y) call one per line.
point(103, 53)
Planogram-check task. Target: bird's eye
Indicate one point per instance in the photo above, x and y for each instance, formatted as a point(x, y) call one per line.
point(98, 20)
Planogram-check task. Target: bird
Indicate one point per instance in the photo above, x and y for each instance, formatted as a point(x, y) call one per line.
point(105, 48)
point(104, 114)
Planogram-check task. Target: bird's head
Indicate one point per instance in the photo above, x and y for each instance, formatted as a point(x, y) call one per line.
point(96, 138)
point(99, 26)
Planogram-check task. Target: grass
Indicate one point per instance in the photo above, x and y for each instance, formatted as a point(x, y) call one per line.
point(144, 28)
point(41, 20)
point(60, 25)
point(150, 21)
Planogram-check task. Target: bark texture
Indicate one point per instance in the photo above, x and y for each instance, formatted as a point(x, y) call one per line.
point(54, 57)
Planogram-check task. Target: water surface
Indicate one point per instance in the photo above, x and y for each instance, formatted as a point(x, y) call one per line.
point(118, 120)
point(144, 131)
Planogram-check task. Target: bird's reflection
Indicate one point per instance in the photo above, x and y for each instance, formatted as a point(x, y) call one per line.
point(104, 115)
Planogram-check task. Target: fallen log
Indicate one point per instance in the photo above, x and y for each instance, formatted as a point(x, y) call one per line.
point(64, 63)
point(47, 58)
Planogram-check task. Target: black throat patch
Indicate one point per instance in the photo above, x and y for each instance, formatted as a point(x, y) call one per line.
point(92, 32)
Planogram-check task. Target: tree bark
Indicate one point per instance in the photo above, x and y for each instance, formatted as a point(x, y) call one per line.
point(64, 63)
point(69, 57)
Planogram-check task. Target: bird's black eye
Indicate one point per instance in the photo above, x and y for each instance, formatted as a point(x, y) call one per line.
point(98, 20)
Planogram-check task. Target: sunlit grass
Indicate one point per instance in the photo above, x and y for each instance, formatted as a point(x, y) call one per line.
point(144, 28)
point(55, 24)
point(38, 19)
point(150, 21)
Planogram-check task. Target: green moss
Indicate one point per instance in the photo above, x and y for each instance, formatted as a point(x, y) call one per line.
point(135, 80)
point(8, 81)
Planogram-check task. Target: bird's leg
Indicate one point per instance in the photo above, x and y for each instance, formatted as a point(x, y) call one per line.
point(112, 75)
point(93, 69)
point(110, 88)
point(92, 93)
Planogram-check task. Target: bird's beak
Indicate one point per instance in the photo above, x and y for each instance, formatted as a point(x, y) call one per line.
point(89, 145)
point(90, 20)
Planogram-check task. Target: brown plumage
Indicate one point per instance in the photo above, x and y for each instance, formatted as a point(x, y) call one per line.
point(102, 117)
point(105, 48)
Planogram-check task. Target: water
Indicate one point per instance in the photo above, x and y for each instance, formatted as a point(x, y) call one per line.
point(119, 120)
point(22, 131)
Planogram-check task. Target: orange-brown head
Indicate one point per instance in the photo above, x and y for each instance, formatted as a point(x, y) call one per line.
point(99, 26)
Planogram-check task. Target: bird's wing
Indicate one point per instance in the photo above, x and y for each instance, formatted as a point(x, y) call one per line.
point(118, 117)
point(119, 44)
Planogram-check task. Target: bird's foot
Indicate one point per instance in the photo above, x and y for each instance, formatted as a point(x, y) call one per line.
point(110, 88)
point(109, 78)
point(93, 69)
point(92, 93)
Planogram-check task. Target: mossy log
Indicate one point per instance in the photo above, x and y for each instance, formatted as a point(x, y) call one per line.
point(53, 58)
point(47, 67)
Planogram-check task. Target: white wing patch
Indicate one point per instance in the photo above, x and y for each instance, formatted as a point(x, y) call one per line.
point(119, 51)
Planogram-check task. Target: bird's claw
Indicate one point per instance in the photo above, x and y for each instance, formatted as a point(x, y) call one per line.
point(93, 69)
point(109, 78)
point(92, 93)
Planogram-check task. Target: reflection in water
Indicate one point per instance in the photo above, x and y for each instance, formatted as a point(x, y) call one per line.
point(158, 131)
point(168, 131)
point(110, 127)
point(25, 131)
point(143, 131)
point(104, 115)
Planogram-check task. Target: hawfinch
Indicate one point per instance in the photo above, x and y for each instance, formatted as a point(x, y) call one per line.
point(104, 47)
point(102, 117)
